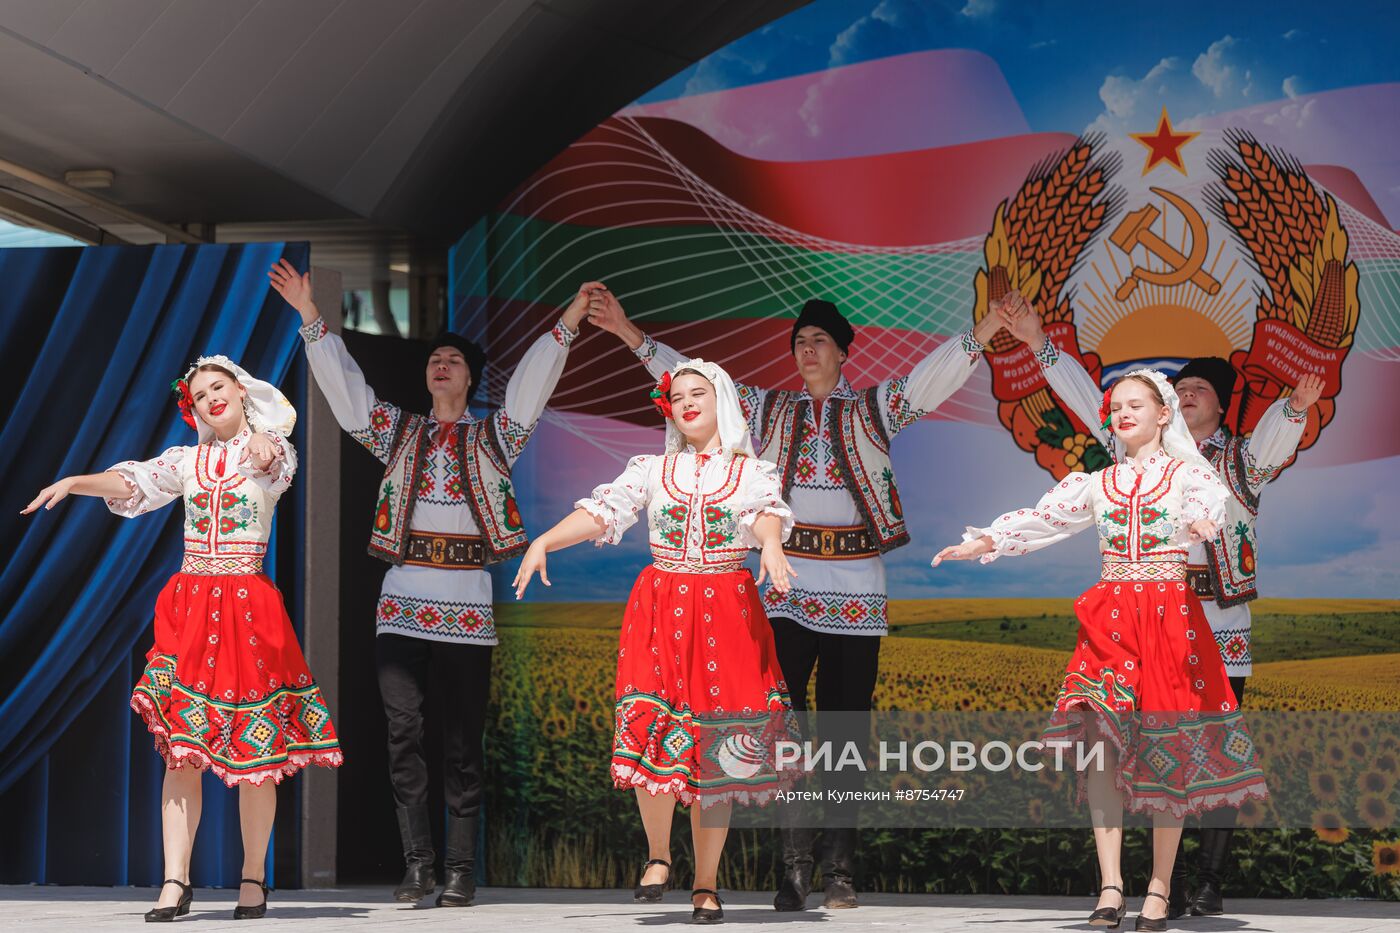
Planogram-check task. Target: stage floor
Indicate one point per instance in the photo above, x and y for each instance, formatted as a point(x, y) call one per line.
point(83, 908)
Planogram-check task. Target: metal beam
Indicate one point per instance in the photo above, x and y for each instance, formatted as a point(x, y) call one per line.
point(171, 234)
point(29, 213)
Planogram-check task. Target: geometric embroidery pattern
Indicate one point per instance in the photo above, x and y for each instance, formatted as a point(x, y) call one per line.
point(438, 619)
point(838, 613)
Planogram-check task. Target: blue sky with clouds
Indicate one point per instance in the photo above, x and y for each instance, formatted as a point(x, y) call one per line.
point(1071, 63)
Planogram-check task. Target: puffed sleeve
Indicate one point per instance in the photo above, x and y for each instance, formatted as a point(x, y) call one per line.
point(905, 399)
point(762, 495)
point(153, 483)
point(1274, 440)
point(1203, 494)
point(277, 478)
point(371, 421)
point(1061, 512)
point(617, 503)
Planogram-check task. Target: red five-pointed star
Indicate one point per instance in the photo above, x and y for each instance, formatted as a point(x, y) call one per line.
point(1164, 145)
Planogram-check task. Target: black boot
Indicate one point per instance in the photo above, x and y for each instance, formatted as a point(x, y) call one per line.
point(1215, 851)
point(1178, 900)
point(459, 884)
point(795, 882)
point(838, 868)
point(417, 838)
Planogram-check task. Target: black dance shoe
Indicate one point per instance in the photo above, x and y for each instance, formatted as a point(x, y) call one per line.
point(1152, 924)
point(257, 910)
point(167, 914)
point(1109, 917)
point(651, 893)
point(707, 914)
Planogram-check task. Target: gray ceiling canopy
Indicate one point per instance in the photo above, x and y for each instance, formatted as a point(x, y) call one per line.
point(412, 114)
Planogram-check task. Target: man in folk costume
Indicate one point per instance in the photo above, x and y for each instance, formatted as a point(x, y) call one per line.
point(831, 446)
point(446, 510)
point(1222, 571)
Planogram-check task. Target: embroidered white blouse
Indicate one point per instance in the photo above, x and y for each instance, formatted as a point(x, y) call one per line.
point(426, 602)
point(1143, 519)
point(700, 508)
point(228, 500)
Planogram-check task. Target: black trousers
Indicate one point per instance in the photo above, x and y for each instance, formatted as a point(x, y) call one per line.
point(847, 666)
point(461, 675)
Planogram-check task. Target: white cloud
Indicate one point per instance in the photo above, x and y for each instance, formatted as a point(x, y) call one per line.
point(975, 9)
point(1120, 94)
point(1043, 43)
point(1292, 34)
point(1212, 69)
point(1291, 87)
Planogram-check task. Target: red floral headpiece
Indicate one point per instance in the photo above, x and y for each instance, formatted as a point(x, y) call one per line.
point(1105, 413)
point(181, 388)
point(661, 395)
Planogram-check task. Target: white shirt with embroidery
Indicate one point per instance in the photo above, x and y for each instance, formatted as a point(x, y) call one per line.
point(228, 511)
point(428, 602)
point(845, 597)
point(700, 508)
point(1274, 439)
point(1143, 518)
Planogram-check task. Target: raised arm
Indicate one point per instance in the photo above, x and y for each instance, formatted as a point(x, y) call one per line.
point(606, 313)
point(933, 380)
point(1061, 512)
point(537, 374)
point(1279, 431)
point(367, 418)
point(1066, 376)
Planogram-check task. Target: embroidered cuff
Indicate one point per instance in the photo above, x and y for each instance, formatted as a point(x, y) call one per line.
point(970, 344)
point(647, 350)
point(1297, 417)
point(562, 335)
point(1048, 354)
point(314, 331)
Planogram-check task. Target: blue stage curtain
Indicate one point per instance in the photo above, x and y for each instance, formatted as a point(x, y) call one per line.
point(90, 340)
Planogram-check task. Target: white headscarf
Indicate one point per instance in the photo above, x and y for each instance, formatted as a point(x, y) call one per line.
point(733, 429)
point(267, 408)
point(1176, 436)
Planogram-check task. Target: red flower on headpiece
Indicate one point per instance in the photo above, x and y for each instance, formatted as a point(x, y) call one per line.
point(185, 400)
point(661, 395)
point(1105, 411)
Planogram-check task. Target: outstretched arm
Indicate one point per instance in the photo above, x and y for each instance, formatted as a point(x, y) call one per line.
point(579, 526)
point(1061, 512)
point(107, 485)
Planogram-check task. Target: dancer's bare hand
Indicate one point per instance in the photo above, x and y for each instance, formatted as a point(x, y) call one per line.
point(1306, 394)
point(262, 451)
point(1203, 529)
point(965, 551)
point(605, 312)
point(773, 565)
point(295, 289)
point(532, 562)
point(1020, 319)
point(50, 496)
point(579, 307)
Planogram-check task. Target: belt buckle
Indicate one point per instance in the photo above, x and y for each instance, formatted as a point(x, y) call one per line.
point(437, 551)
point(827, 542)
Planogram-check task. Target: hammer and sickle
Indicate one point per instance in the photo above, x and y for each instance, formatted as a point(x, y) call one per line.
point(1136, 230)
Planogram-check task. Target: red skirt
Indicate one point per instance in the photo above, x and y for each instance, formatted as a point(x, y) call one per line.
point(1148, 670)
point(225, 685)
point(701, 700)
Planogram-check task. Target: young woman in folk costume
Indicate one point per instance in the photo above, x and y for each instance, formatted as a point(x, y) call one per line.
point(225, 687)
point(830, 444)
point(1220, 571)
point(446, 511)
point(1146, 677)
point(697, 668)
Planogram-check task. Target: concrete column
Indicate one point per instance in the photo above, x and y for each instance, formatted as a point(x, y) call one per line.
point(320, 471)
